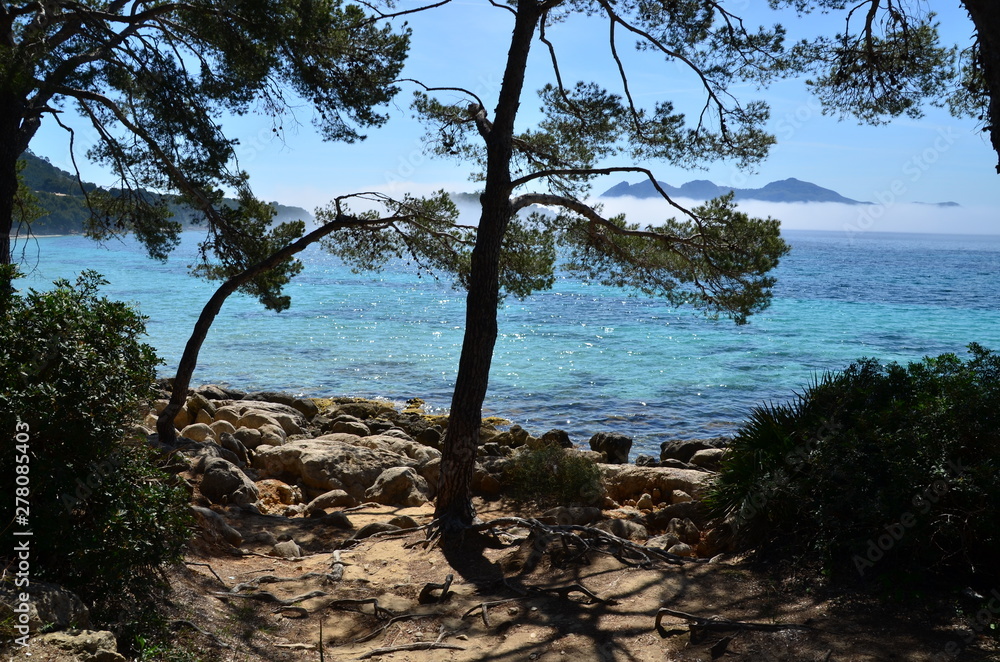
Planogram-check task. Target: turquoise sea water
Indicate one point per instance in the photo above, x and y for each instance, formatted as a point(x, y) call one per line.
point(581, 357)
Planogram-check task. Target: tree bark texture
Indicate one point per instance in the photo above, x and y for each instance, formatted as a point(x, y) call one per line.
point(986, 17)
point(454, 510)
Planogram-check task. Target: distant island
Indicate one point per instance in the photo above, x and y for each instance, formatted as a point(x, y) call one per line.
point(60, 194)
point(786, 190)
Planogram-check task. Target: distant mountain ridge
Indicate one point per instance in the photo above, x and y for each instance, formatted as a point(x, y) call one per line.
point(786, 190)
point(59, 194)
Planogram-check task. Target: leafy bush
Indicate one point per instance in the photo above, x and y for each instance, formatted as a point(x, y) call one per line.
point(547, 475)
point(73, 375)
point(875, 468)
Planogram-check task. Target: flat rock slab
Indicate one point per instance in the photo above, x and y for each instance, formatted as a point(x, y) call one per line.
point(331, 462)
point(627, 481)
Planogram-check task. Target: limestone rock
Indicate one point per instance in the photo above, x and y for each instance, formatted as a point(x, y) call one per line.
point(229, 413)
point(614, 445)
point(249, 437)
point(220, 426)
point(682, 549)
point(183, 419)
point(558, 437)
point(199, 402)
point(83, 645)
point(215, 525)
point(399, 486)
point(684, 449)
point(256, 420)
point(331, 499)
point(404, 522)
point(627, 481)
point(49, 606)
point(198, 432)
point(271, 434)
point(643, 460)
point(224, 483)
point(709, 458)
point(350, 427)
point(204, 417)
point(287, 549)
point(660, 519)
point(330, 462)
point(368, 530)
point(623, 528)
point(645, 502)
point(685, 530)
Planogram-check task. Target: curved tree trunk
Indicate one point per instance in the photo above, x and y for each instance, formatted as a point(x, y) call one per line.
point(189, 360)
point(454, 510)
point(986, 17)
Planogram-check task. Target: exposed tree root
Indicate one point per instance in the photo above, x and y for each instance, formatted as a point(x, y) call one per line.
point(425, 593)
point(699, 625)
point(417, 646)
point(210, 569)
point(485, 606)
point(265, 596)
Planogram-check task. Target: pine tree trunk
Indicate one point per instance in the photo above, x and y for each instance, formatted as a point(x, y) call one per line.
point(454, 510)
point(986, 17)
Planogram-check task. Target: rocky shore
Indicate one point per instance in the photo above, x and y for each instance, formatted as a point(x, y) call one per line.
point(275, 454)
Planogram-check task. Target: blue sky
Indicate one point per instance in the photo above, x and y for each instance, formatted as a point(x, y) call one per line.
point(937, 158)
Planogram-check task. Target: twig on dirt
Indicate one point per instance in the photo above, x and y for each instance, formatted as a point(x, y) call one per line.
point(210, 569)
point(351, 542)
point(296, 612)
point(699, 625)
point(218, 642)
point(368, 504)
point(425, 593)
point(486, 605)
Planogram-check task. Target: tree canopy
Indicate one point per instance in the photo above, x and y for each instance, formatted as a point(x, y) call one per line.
point(153, 79)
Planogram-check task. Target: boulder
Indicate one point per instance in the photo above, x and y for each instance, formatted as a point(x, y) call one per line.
point(271, 435)
point(222, 426)
point(215, 392)
point(350, 427)
point(198, 432)
point(627, 481)
point(660, 519)
point(229, 413)
point(515, 437)
point(684, 449)
point(399, 486)
point(682, 549)
point(287, 549)
point(430, 437)
point(666, 541)
point(288, 423)
point(404, 522)
point(256, 420)
point(249, 437)
point(685, 530)
point(330, 462)
point(558, 437)
point(643, 460)
point(709, 458)
point(49, 606)
point(199, 402)
point(216, 526)
point(393, 432)
point(183, 419)
point(623, 528)
point(331, 499)
point(224, 483)
point(613, 444)
point(272, 408)
point(405, 447)
point(83, 645)
point(204, 417)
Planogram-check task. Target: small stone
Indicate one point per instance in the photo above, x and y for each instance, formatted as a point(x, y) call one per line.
point(287, 550)
point(645, 502)
point(681, 549)
point(680, 496)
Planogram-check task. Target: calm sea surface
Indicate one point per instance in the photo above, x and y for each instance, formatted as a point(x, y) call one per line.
point(581, 357)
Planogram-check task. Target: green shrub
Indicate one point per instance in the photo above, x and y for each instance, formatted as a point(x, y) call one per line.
point(547, 475)
point(875, 469)
point(73, 375)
